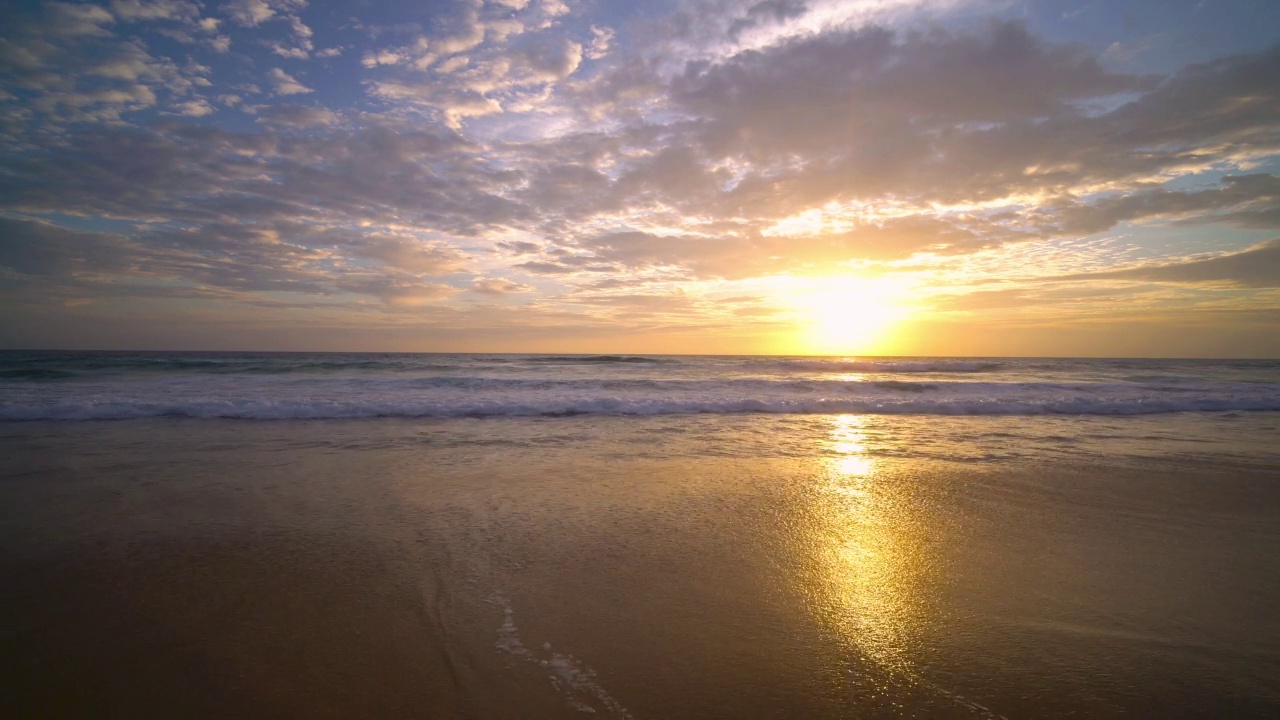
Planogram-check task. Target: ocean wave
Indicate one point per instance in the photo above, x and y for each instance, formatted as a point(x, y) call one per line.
point(905, 386)
point(596, 359)
point(294, 409)
point(759, 386)
point(59, 369)
point(34, 373)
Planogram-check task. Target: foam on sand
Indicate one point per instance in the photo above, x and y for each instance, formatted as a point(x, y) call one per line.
point(568, 675)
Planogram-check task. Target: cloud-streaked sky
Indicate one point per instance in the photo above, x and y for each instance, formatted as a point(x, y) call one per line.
point(938, 177)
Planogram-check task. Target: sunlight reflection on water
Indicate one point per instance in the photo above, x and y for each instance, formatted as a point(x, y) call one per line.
point(872, 568)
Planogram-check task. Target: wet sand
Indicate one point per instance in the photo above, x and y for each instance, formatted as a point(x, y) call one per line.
point(543, 569)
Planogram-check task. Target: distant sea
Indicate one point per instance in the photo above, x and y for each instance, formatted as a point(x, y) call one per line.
point(281, 386)
point(513, 536)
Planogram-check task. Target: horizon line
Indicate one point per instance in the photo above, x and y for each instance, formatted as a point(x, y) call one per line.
point(639, 354)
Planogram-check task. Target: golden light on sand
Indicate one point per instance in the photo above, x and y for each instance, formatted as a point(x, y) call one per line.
point(849, 316)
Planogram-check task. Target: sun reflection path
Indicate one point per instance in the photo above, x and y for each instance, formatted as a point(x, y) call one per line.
point(876, 574)
point(848, 441)
point(868, 560)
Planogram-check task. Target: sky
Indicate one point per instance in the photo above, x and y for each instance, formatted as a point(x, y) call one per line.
point(893, 177)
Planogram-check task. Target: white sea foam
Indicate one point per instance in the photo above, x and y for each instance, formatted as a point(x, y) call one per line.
point(568, 675)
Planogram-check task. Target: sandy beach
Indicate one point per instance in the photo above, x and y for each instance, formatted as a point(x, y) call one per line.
point(626, 567)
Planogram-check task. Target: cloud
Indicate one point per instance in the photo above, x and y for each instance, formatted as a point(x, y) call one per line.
point(255, 12)
point(766, 105)
point(640, 304)
point(553, 8)
point(296, 53)
point(855, 115)
point(543, 61)
point(415, 298)
point(767, 11)
point(545, 268)
point(601, 41)
point(638, 250)
point(70, 69)
point(237, 259)
point(249, 12)
point(418, 175)
point(499, 286)
point(482, 144)
point(297, 116)
point(285, 84)
point(996, 117)
point(142, 10)
point(383, 57)
point(478, 64)
point(1255, 198)
point(408, 254)
point(44, 249)
point(453, 106)
point(69, 20)
point(1257, 267)
point(194, 108)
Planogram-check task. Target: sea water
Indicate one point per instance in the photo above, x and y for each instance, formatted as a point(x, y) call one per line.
point(280, 386)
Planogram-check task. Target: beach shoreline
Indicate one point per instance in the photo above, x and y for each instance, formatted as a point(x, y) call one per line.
point(520, 568)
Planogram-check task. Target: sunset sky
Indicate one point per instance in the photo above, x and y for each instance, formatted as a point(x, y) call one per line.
point(930, 177)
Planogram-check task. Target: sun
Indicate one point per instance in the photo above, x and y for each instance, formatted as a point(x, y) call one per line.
point(849, 316)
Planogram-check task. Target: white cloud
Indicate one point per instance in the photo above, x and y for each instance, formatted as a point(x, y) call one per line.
point(382, 57)
point(554, 8)
point(255, 12)
point(135, 10)
point(286, 84)
point(249, 12)
point(453, 64)
point(194, 108)
point(454, 107)
point(499, 286)
point(600, 42)
point(295, 53)
point(68, 20)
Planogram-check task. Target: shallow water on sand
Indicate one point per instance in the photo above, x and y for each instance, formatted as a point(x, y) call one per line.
point(816, 565)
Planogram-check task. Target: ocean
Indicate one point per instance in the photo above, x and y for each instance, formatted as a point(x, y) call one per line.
point(468, 535)
point(281, 386)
